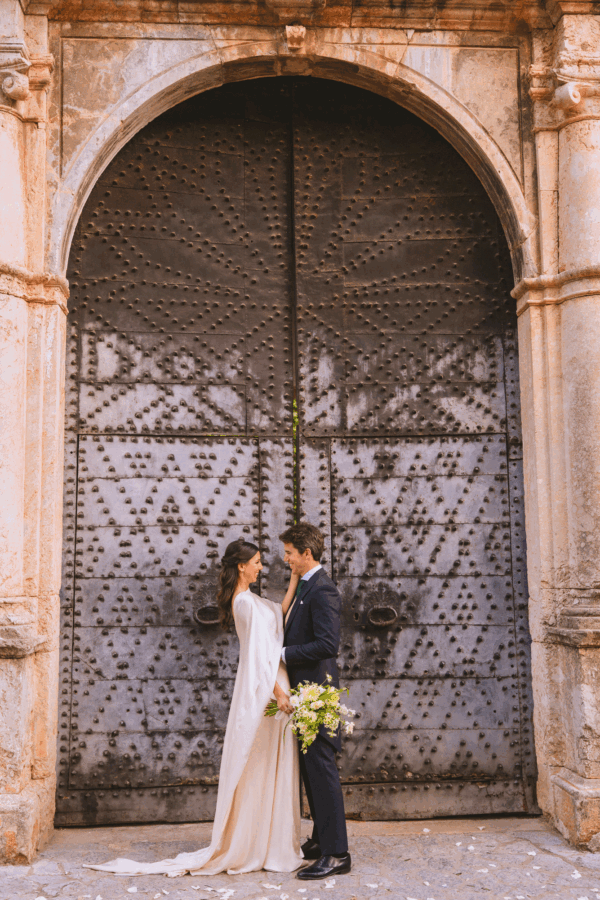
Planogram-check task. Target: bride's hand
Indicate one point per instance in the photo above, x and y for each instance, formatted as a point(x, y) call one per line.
point(289, 594)
point(283, 700)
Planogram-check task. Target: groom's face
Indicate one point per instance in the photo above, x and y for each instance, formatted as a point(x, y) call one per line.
point(299, 563)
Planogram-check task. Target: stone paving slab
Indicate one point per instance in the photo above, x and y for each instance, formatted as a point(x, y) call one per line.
point(452, 859)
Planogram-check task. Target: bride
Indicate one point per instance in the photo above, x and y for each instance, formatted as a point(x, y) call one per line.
point(257, 820)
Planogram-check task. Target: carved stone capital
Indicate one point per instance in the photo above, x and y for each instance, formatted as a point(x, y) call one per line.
point(577, 98)
point(557, 101)
point(565, 79)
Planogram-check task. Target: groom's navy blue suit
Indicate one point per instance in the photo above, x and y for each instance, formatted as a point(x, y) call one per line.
point(311, 641)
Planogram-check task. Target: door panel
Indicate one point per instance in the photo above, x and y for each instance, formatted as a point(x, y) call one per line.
point(291, 297)
point(179, 440)
point(408, 386)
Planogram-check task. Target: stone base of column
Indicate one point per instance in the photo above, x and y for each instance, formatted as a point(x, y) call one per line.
point(25, 822)
point(576, 811)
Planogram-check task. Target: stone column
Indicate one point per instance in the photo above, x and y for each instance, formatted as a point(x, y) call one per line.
point(32, 323)
point(559, 330)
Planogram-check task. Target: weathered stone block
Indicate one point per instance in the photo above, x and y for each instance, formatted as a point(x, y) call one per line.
point(577, 808)
point(16, 687)
point(25, 822)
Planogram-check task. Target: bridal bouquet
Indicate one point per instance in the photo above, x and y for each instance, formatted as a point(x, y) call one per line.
point(315, 705)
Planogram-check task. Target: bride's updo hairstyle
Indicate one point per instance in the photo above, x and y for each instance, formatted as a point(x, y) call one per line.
point(238, 552)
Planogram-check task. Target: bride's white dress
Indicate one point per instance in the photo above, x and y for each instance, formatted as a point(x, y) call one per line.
point(257, 820)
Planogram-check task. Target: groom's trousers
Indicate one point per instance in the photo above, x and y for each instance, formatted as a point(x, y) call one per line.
point(325, 798)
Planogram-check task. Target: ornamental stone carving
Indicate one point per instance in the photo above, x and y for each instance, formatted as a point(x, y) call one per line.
point(565, 78)
point(40, 72)
point(295, 35)
point(16, 86)
point(573, 98)
point(14, 65)
point(568, 95)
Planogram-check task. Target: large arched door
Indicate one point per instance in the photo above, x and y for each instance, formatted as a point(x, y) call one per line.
point(289, 297)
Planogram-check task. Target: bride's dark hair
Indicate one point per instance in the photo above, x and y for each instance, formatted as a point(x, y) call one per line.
point(237, 552)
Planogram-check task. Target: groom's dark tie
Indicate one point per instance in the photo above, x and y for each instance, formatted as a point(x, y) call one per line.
point(299, 590)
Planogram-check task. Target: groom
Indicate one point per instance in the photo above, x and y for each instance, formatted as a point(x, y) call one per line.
point(310, 647)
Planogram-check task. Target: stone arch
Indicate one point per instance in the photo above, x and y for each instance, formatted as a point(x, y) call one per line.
point(402, 85)
point(244, 167)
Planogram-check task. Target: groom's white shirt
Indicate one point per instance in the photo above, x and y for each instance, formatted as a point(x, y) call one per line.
point(305, 577)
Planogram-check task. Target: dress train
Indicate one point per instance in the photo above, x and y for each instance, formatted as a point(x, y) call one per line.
point(257, 819)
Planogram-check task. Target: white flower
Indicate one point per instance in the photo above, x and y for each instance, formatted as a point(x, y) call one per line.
point(348, 727)
point(317, 704)
point(294, 701)
point(344, 710)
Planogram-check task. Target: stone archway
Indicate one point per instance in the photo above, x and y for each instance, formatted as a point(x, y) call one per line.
point(210, 69)
point(279, 241)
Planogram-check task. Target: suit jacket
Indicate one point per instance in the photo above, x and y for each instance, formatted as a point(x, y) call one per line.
point(312, 637)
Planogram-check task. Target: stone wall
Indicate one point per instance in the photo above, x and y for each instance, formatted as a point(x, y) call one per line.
point(515, 88)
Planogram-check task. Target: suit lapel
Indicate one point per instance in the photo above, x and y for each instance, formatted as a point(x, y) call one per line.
point(301, 598)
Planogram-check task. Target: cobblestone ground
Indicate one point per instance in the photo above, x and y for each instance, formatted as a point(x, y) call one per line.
point(458, 859)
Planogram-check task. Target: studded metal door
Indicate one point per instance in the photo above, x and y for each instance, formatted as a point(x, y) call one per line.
point(268, 242)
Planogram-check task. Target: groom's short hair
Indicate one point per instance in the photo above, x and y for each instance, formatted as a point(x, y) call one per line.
point(305, 536)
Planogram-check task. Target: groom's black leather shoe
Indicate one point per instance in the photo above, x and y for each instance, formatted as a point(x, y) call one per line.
point(326, 866)
point(311, 850)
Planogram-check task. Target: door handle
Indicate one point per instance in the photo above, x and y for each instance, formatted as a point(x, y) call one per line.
point(382, 616)
point(207, 615)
